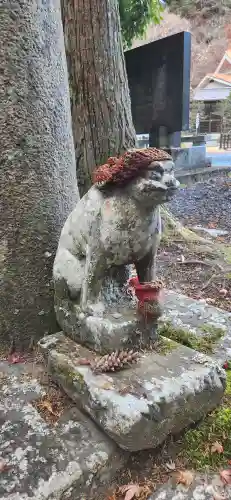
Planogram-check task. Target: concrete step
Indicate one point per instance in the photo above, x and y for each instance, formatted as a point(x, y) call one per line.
point(203, 487)
point(200, 319)
point(64, 461)
point(138, 407)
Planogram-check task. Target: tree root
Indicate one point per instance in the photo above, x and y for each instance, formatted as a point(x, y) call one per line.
point(173, 229)
point(173, 225)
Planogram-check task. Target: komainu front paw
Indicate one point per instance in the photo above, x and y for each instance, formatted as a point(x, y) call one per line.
point(96, 309)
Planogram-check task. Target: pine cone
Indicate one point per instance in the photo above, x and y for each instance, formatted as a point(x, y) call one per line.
point(115, 361)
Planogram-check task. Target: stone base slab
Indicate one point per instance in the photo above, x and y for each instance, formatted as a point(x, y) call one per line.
point(200, 319)
point(68, 460)
point(140, 406)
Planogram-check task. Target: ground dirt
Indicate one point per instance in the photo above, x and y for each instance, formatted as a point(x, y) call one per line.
point(199, 269)
point(196, 272)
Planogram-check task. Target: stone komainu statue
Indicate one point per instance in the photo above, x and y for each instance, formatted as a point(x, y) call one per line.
point(115, 224)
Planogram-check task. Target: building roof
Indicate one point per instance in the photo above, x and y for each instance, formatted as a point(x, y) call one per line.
point(215, 94)
point(220, 76)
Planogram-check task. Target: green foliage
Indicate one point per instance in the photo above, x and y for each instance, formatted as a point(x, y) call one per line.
point(224, 109)
point(216, 427)
point(136, 15)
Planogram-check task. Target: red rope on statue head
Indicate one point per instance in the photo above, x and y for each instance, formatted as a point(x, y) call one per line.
point(121, 170)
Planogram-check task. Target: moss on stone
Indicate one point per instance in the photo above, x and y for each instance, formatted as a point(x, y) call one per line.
point(203, 344)
point(69, 375)
point(165, 345)
point(216, 427)
point(213, 330)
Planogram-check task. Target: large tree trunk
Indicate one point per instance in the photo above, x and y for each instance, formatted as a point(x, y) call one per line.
point(38, 178)
point(101, 108)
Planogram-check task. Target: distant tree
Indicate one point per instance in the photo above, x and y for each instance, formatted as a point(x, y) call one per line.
point(224, 111)
point(101, 107)
point(136, 15)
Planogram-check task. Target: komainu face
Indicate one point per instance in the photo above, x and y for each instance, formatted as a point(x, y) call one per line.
point(155, 185)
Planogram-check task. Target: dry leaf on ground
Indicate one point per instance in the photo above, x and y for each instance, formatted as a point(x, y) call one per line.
point(170, 465)
point(184, 477)
point(3, 465)
point(15, 358)
point(226, 476)
point(46, 405)
point(83, 361)
point(130, 491)
point(217, 447)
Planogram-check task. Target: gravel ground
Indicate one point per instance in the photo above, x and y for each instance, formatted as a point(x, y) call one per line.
point(207, 204)
point(184, 268)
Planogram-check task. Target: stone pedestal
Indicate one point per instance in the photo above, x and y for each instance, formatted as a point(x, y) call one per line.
point(116, 328)
point(140, 406)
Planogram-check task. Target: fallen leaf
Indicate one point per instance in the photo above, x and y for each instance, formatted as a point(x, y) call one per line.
point(83, 361)
point(3, 465)
point(217, 447)
point(130, 491)
point(15, 358)
point(226, 476)
point(184, 477)
point(170, 465)
point(46, 405)
point(223, 292)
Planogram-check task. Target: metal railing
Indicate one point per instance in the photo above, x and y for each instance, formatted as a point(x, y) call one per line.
point(225, 140)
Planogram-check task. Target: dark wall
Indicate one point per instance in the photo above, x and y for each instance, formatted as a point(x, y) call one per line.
point(159, 81)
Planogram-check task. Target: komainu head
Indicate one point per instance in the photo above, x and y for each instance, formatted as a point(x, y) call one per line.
point(147, 173)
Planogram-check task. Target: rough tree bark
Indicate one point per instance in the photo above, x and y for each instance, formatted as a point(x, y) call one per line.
point(101, 108)
point(38, 177)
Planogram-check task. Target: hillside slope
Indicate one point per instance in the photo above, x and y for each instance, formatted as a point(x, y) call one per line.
point(207, 21)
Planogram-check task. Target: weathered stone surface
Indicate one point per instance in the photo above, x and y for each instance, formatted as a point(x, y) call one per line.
point(110, 228)
point(199, 318)
point(138, 407)
point(119, 327)
point(64, 461)
point(202, 488)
